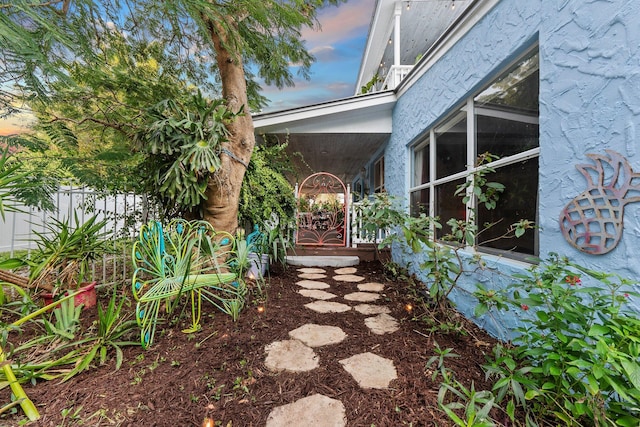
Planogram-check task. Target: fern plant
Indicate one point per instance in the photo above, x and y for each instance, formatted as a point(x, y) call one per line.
point(182, 144)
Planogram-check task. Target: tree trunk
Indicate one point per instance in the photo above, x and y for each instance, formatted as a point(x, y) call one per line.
point(223, 189)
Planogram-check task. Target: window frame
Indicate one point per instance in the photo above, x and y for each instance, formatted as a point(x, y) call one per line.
point(469, 108)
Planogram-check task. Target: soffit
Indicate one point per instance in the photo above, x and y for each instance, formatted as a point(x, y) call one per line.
point(339, 137)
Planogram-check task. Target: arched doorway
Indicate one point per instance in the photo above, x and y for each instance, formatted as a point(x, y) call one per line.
point(322, 211)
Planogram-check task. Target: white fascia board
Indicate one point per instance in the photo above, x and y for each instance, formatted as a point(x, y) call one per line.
point(361, 114)
point(459, 29)
point(379, 32)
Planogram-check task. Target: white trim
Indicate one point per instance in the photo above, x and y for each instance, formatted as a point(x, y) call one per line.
point(316, 118)
point(375, 46)
point(471, 157)
point(507, 115)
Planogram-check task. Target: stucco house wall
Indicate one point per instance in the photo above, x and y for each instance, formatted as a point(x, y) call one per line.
point(589, 101)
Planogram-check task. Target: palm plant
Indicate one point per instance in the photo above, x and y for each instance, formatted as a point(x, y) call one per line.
point(64, 252)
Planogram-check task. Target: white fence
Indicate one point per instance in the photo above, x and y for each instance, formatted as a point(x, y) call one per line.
point(358, 234)
point(125, 213)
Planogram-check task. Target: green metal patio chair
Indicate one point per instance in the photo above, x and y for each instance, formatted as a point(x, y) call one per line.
point(183, 258)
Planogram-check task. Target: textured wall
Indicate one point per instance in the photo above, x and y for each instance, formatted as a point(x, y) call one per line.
point(589, 102)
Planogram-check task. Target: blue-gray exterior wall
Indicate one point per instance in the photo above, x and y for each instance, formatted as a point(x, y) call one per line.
point(589, 102)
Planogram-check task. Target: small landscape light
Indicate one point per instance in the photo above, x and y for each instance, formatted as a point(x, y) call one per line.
point(408, 307)
point(260, 309)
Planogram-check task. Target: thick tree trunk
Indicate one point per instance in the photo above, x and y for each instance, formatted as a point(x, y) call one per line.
point(223, 190)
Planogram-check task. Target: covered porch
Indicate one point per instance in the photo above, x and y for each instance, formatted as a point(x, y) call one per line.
point(345, 138)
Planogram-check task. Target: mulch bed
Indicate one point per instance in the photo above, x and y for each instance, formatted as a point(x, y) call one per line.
point(220, 372)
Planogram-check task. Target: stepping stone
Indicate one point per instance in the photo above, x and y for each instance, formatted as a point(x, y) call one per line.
point(371, 287)
point(323, 261)
point(316, 294)
point(290, 355)
point(348, 278)
point(312, 284)
point(362, 296)
point(318, 335)
point(316, 410)
point(370, 370)
point(371, 309)
point(382, 324)
point(327, 307)
point(312, 270)
point(312, 276)
point(347, 270)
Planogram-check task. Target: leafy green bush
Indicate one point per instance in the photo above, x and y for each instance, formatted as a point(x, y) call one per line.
point(182, 143)
point(265, 190)
point(578, 352)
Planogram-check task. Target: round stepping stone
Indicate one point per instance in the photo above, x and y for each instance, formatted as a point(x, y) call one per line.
point(318, 335)
point(362, 296)
point(382, 324)
point(370, 370)
point(316, 294)
point(371, 287)
point(316, 410)
point(371, 309)
point(312, 284)
point(311, 270)
point(347, 270)
point(348, 278)
point(290, 355)
point(328, 307)
point(312, 276)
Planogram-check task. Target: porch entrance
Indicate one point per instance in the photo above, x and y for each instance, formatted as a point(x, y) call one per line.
point(322, 211)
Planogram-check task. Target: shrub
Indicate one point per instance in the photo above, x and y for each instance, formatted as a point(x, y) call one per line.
point(579, 346)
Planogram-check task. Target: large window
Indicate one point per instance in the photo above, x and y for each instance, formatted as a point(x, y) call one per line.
point(501, 120)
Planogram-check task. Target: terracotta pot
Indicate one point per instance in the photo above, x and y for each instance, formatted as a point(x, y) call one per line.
point(87, 296)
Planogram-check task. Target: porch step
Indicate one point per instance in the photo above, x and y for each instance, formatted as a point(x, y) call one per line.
point(323, 261)
point(365, 252)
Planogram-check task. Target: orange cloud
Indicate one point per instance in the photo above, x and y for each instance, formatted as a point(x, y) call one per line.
point(18, 123)
point(340, 22)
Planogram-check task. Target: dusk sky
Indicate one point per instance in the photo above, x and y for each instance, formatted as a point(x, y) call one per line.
point(338, 50)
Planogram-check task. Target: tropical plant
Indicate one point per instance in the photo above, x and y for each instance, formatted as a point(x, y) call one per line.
point(182, 144)
point(65, 251)
point(67, 319)
point(442, 265)
point(438, 362)
point(8, 370)
point(578, 354)
point(113, 330)
point(475, 405)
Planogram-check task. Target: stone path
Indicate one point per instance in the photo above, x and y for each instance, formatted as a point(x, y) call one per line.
point(296, 354)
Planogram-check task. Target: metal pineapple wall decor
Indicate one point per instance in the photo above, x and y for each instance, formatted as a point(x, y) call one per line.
point(592, 222)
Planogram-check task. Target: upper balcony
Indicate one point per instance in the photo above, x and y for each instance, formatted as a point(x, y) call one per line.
point(401, 33)
point(395, 75)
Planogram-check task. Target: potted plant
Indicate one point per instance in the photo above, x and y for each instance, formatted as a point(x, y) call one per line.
point(64, 257)
point(268, 246)
point(257, 256)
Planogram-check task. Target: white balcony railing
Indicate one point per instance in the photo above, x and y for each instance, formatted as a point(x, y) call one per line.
point(395, 76)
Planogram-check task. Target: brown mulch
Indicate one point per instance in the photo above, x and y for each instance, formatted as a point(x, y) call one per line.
point(220, 372)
